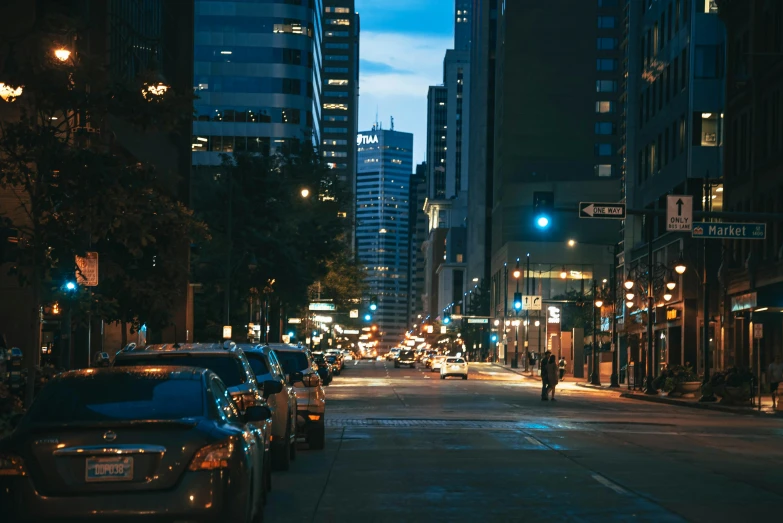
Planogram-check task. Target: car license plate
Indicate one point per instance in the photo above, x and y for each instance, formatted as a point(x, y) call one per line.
point(455, 366)
point(109, 469)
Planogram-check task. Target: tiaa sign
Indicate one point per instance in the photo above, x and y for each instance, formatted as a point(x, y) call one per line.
point(363, 139)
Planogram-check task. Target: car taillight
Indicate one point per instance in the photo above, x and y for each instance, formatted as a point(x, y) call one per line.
point(213, 457)
point(11, 465)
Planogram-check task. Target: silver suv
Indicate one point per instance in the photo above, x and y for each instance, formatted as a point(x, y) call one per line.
point(302, 373)
point(267, 368)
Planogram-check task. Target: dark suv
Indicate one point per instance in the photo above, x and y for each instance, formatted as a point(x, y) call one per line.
point(406, 357)
point(227, 361)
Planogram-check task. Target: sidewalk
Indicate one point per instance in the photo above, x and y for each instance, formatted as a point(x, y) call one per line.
point(624, 392)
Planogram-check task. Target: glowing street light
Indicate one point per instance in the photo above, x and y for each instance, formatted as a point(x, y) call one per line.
point(563, 273)
point(571, 243)
point(629, 304)
point(62, 54)
point(599, 303)
point(667, 296)
point(680, 268)
point(9, 93)
point(305, 193)
point(629, 296)
point(628, 284)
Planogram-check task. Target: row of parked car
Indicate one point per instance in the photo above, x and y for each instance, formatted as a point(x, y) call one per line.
point(174, 431)
point(331, 363)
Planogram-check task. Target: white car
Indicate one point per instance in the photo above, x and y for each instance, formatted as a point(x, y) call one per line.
point(454, 367)
point(437, 363)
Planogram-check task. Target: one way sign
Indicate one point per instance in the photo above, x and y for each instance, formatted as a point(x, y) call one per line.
point(679, 212)
point(602, 210)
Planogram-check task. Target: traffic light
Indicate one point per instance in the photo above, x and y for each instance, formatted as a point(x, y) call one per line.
point(368, 317)
point(494, 338)
point(517, 301)
point(543, 208)
point(446, 320)
point(374, 303)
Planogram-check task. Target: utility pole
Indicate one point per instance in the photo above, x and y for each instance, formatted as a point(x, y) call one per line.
point(614, 381)
point(595, 376)
point(527, 317)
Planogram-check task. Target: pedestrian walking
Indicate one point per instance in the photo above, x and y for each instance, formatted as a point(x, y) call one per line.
point(544, 376)
point(562, 366)
point(552, 372)
point(775, 375)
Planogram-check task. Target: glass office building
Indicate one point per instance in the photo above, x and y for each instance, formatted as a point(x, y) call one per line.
point(385, 165)
point(257, 76)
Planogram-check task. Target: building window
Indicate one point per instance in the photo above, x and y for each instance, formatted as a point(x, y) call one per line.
point(336, 107)
point(607, 44)
point(335, 142)
point(705, 130)
point(334, 81)
point(335, 154)
point(339, 70)
point(607, 3)
point(708, 61)
point(336, 57)
point(603, 149)
point(335, 94)
point(607, 128)
point(338, 21)
point(607, 22)
point(334, 118)
point(606, 64)
point(336, 34)
point(605, 86)
point(604, 107)
point(335, 130)
point(604, 170)
point(459, 258)
point(335, 45)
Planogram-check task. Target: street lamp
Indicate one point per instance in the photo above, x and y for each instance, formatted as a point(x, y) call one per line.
point(571, 243)
point(563, 274)
point(629, 283)
point(62, 54)
point(305, 193)
point(9, 93)
point(680, 267)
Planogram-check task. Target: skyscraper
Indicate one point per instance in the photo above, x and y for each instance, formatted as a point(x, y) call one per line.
point(463, 17)
point(257, 76)
point(417, 223)
point(385, 164)
point(340, 95)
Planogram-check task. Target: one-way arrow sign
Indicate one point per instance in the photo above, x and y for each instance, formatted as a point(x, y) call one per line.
point(614, 211)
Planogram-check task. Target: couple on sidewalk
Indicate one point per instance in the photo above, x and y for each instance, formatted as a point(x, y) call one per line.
point(550, 373)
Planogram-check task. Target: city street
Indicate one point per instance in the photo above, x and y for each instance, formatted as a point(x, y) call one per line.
point(402, 445)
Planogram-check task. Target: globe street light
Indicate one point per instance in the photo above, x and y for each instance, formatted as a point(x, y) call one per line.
point(305, 193)
point(62, 54)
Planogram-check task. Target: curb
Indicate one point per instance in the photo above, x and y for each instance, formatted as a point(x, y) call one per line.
point(517, 371)
point(600, 388)
point(702, 406)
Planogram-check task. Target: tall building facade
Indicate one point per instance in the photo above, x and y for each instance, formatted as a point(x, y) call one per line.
point(385, 165)
point(481, 139)
point(417, 223)
point(556, 134)
point(340, 91)
point(753, 179)
point(673, 143)
point(257, 75)
point(463, 18)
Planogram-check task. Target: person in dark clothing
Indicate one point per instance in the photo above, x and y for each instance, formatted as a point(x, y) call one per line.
point(562, 366)
point(544, 377)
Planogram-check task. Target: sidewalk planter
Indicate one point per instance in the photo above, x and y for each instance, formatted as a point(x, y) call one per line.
point(733, 395)
point(688, 388)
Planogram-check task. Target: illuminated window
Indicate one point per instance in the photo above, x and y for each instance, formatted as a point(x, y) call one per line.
point(603, 170)
point(604, 107)
point(605, 86)
point(335, 142)
point(339, 21)
point(339, 107)
point(334, 81)
point(342, 10)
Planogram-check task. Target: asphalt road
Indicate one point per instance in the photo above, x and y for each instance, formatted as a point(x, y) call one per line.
point(404, 446)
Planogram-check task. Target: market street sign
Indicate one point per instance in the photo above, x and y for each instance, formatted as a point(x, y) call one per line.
point(322, 306)
point(679, 212)
point(478, 320)
point(615, 211)
point(741, 231)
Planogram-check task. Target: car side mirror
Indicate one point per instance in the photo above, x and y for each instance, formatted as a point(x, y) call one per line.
point(311, 380)
point(257, 413)
point(295, 376)
point(272, 387)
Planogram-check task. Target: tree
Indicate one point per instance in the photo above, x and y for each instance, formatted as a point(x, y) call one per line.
point(265, 235)
point(75, 189)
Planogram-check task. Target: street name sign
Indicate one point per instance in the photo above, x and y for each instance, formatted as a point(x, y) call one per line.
point(613, 211)
point(478, 320)
point(531, 303)
point(322, 306)
point(740, 231)
point(679, 212)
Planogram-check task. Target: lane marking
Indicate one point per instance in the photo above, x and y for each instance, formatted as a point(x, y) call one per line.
point(608, 484)
point(534, 441)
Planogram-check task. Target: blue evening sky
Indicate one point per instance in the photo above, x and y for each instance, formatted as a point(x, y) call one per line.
point(401, 51)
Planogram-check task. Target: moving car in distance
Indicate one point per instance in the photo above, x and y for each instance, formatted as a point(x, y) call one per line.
point(454, 366)
point(436, 362)
point(406, 357)
point(392, 354)
point(134, 442)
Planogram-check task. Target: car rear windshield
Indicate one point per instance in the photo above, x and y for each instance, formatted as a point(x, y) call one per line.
point(455, 360)
point(292, 361)
point(406, 354)
point(257, 363)
point(118, 396)
point(227, 368)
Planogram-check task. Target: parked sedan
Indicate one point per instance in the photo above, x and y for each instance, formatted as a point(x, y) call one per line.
point(454, 366)
point(142, 442)
point(283, 403)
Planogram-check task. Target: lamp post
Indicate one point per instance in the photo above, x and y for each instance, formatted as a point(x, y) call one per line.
point(595, 376)
point(527, 316)
point(517, 307)
point(649, 277)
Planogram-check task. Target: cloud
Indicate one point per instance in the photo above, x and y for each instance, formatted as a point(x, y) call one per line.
point(370, 67)
point(395, 74)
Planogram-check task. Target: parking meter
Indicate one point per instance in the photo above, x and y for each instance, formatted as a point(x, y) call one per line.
point(15, 370)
